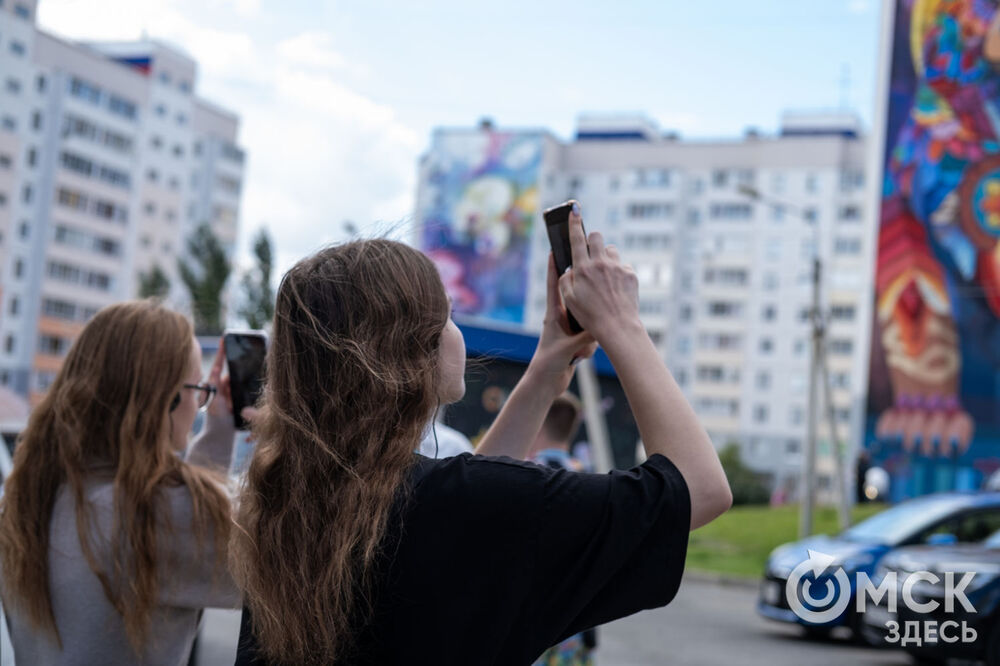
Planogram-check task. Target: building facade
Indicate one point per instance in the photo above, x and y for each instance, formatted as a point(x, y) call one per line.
point(108, 162)
point(722, 235)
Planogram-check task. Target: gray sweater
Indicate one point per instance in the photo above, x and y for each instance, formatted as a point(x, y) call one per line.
point(92, 632)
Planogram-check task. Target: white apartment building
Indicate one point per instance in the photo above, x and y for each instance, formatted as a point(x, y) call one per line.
point(725, 278)
point(108, 161)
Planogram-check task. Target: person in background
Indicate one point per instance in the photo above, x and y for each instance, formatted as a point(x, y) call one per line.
point(442, 441)
point(552, 448)
point(113, 527)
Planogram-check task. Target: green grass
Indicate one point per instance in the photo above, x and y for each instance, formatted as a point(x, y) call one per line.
point(738, 542)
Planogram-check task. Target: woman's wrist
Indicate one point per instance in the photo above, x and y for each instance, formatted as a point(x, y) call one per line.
point(616, 335)
point(546, 384)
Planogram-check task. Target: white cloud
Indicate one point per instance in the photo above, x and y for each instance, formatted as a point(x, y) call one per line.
point(311, 49)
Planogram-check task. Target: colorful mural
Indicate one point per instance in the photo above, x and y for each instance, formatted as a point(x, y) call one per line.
point(477, 210)
point(934, 394)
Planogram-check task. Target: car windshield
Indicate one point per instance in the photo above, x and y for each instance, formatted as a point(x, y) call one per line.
point(903, 520)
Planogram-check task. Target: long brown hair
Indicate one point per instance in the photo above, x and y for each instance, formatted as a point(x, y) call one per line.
point(107, 408)
point(351, 383)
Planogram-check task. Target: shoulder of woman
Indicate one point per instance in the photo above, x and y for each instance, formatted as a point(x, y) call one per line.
point(468, 476)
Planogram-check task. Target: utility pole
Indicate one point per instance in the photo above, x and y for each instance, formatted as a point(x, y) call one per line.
point(818, 371)
point(593, 416)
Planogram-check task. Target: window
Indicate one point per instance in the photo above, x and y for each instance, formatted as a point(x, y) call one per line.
point(178, 150)
point(763, 380)
point(724, 308)
point(796, 415)
point(849, 213)
point(636, 210)
point(232, 153)
point(15, 305)
point(164, 77)
point(9, 123)
point(731, 211)
point(811, 184)
point(160, 110)
point(3, 199)
point(842, 312)
point(32, 157)
point(770, 313)
point(766, 345)
point(59, 309)
point(149, 208)
point(17, 48)
point(13, 86)
point(847, 245)
point(184, 86)
point(40, 83)
point(156, 142)
point(76, 275)
point(24, 230)
point(85, 91)
point(26, 194)
point(181, 119)
point(9, 344)
point(18, 267)
point(152, 175)
point(810, 215)
point(51, 345)
point(5, 161)
point(122, 107)
point(841, 346)
point(22, 11)
point(770, 281)
point(76, 163)
point(799, 347)
point(760, 413)
point(36, 120)
point(115, 177)
point(720, 178)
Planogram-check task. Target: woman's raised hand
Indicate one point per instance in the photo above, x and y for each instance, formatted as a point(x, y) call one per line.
point(600, 290)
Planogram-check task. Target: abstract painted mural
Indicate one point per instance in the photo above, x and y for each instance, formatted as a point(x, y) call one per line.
point(934, 394)
point(477, 210)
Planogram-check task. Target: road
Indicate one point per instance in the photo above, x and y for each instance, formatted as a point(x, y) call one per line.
point(707, 624)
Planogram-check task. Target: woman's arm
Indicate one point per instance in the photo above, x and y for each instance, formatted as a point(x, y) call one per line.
point(548, 375)
point(603, 295)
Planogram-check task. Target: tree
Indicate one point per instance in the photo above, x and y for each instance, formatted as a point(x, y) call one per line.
point(206, 279)
point(747, 486)
point(258, 308)
point(154, 284)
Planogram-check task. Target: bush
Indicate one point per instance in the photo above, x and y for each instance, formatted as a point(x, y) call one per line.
point(747, 486)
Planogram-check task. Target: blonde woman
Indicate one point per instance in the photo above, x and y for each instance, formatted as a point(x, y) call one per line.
point(113, 528)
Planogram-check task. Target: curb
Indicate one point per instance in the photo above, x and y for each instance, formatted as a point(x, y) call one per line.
point(720, 579)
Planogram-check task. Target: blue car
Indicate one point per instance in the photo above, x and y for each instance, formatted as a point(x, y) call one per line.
point(982, 593)
point(931, 519)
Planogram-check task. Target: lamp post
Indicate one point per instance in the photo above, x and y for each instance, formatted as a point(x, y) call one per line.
point(818, 371)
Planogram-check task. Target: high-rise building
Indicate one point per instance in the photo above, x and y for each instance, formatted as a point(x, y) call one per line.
point(721, 233)
point(108, 162)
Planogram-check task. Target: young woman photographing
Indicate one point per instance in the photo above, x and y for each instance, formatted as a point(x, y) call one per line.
point(113, 529)
point(352, 549)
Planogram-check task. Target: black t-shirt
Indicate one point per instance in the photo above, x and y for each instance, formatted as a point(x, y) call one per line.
point(499, 559)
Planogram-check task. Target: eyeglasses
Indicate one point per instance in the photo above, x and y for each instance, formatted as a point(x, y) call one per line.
point(205, 393)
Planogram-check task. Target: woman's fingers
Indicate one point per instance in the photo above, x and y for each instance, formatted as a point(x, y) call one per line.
point(596, 243)
point(612, 252)
point(577, 239)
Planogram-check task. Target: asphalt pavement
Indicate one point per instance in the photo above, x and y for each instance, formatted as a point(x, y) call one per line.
point(707, 624)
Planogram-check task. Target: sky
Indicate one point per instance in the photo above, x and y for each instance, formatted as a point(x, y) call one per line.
point(338, 100)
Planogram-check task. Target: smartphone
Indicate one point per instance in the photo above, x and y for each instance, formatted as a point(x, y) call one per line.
point(245, 355)
point(557, 225)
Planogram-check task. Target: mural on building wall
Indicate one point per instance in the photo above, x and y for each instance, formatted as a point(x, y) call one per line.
point(934, 394)
point(476, 218)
